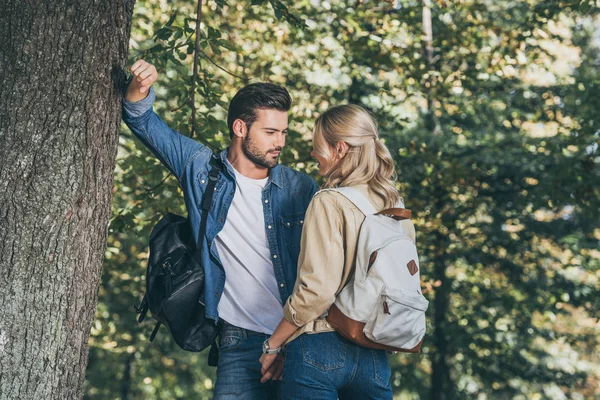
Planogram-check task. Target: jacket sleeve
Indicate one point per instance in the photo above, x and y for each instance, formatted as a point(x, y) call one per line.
point(321, 262)
point(173, 149)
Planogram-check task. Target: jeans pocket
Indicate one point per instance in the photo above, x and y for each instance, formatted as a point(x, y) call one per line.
point(230, 337)
point(325, 351)
point(229, 342)
point(381, 365)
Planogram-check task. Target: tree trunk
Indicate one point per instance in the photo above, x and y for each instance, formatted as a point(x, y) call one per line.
point(61, 75)
point(441, 384)
point(126, 380)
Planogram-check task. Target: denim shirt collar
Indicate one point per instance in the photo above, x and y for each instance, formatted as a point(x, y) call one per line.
point(275, 175)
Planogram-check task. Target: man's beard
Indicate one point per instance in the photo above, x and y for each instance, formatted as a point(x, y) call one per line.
point(255, 155)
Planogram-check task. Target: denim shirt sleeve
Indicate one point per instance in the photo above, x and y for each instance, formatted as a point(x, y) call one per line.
point(314, 188)
point(173, 149)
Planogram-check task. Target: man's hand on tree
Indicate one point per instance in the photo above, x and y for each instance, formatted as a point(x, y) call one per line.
point(144, 75)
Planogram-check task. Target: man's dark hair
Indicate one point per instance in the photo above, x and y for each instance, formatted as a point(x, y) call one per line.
point(256, 96)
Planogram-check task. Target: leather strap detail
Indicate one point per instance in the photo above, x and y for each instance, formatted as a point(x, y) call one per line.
point(353, 331)
point(397, 213)
point(412, 267)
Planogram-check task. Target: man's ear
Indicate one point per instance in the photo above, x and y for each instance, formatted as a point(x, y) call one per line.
point(341, 148)
point(239, 128)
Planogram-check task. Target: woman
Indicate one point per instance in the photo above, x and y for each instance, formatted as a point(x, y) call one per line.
point(319, 363)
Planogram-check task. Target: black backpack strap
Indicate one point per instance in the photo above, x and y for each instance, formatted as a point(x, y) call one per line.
point(213, 354)
point(142, 309)
point(213, 175)
point(154, 331)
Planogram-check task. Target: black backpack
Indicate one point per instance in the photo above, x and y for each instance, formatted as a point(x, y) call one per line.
point(175, 277)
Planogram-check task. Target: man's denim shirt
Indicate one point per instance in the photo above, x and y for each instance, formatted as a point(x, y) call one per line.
point(285, 199)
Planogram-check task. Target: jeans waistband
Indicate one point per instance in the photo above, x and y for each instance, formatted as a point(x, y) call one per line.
point(231, 330)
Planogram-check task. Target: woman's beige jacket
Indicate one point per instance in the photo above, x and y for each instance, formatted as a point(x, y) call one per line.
point(327, 258)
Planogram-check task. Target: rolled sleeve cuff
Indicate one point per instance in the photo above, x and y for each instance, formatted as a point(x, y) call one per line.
point(137, 109)
point(290, 314)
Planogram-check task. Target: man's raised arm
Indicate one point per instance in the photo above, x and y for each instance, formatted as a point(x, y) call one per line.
point(173, 149)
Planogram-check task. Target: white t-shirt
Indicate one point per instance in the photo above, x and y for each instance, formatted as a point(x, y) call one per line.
point(251, 296)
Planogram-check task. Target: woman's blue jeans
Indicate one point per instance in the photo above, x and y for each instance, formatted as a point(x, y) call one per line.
point(325, 366)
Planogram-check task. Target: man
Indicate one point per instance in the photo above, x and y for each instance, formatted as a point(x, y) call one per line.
point(254, 226)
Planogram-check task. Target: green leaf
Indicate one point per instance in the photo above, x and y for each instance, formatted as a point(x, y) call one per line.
point(163, 33)
point(278, 13)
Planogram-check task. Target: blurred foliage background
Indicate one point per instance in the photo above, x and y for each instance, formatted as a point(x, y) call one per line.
point(491, 109)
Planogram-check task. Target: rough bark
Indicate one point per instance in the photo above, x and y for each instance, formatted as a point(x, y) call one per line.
point(61, 73)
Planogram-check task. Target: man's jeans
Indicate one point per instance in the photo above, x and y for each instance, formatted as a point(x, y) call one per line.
point(325, 365)
point(238, 371)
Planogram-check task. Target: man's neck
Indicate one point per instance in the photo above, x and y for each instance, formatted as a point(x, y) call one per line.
point(244, 166)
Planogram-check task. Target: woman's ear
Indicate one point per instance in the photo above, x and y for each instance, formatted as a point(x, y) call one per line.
point(341, 148)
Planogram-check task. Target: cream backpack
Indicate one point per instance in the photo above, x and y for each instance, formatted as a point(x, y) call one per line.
point(382, 306)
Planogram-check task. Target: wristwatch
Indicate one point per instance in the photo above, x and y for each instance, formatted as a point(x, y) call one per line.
point(268, 350)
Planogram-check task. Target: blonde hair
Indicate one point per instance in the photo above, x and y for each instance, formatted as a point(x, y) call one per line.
point(368, 160)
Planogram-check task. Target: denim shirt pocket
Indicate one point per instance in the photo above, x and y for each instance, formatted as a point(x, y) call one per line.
point(291, 228)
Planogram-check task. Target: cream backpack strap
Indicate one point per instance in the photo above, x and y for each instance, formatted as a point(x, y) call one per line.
point(357, 198)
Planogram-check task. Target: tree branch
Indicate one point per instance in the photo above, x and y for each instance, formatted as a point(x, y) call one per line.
point(195, 69)
point(221, 68)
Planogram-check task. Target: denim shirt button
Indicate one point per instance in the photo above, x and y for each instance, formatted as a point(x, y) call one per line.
point(281, 285)
point(266, 201)
point(269, 227)
point(275, 256)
